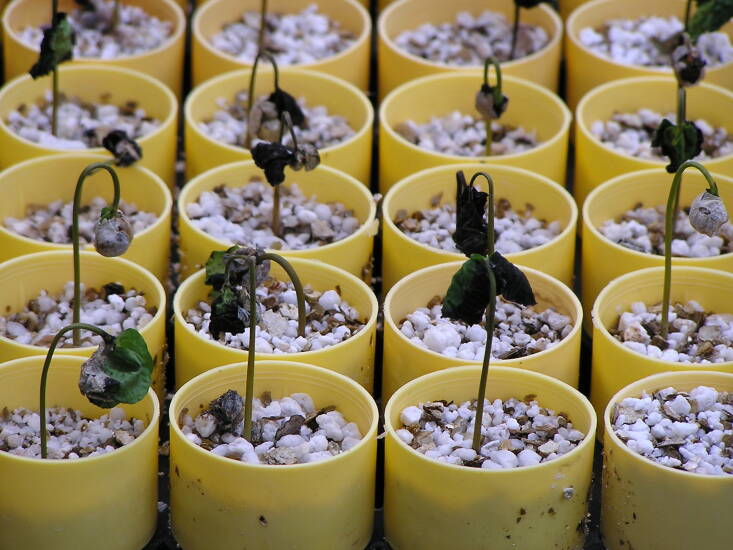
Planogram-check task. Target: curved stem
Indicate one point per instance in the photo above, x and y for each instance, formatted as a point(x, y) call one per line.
point(286, 121)
point(261, 33)
point(282, 262)
point(88, 171)
point(672, 200)
point(108, 339)
point(252, 80)
point(489, 209)
point(490, 317)
point(497, 97)
point(515, 31)
point(248, 398)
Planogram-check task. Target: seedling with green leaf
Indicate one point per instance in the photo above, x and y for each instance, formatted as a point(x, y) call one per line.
point(527, 4)
point(234, 275)
point(474, 287)
point(119, 371)
point(490, 101)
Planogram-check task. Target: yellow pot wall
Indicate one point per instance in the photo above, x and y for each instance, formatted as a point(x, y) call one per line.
point(596, 162)
point(532, 511)
point(89, 83)
point(353, 156)
point(603, 260)
point(112, 497)
point(364, 3)
point(351, 64)
point(568, 6)
point(352, 254)
point(636, 489)
point(615, 366)
point(21, 280)
point(402, 255)
point(221, 503)
point(353, 358)
point(396, 66)
point(586, 70)
point(47, 179)
point(164, 63)
point(405, 361)
point(530, 106)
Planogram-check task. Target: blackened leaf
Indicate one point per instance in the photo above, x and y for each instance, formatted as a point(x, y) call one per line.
point(528, 4)
point(471, 227)
point(468, 293)
point(284, 102)
point(228, 409)
point(86, 5)
point(490, 103)
point(678, 143)
point(113, 288)
point(510, 281)
point(226, 313)
point(710, 16)
point(306, 156)
point(273, 158)
point(216, 267)
point(125, 149)
point(57, 46)
point(688, 63)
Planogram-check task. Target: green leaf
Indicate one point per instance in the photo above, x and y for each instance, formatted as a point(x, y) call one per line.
point(468, 293)
point(216, 267)
point(107, 213)
point(710, 16)
point(129, 363)
point(678, 143)
point(57, 46)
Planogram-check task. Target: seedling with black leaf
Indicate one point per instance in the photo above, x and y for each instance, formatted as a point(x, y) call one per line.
point(474, 287)
point(527, 4)
point(490, 101)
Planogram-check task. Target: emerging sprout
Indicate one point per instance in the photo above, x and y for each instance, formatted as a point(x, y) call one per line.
point(490, 101)
point(112, 234)
point(708, 214)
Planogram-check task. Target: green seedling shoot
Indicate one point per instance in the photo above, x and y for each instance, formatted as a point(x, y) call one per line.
point(490, 101)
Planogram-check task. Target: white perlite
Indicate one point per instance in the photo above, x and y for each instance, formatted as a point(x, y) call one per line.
point(690, 431)
point(515, 433)
point(112, 308)
point(286, 431)
point(632, 134)
point(330, 320)
point(470, 40)
point(293, 39)
point(514, 231)
point(642, 229)
point(81, 125)
point(465, 135)
point(136, 33)
point(52, 222)
point(243, 215)
point(71, 435)
point(229, 125)
point(694, 335)
point(642, 41)
point(518, 331)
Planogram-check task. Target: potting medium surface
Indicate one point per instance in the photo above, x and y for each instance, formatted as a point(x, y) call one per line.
point(71, 434)
point(514, 433)
point(290, 430)
point(292, 38)
point(469, 40)
point(646, 41)
point(519, 331)
point(695, 336)
point(112, 308)
point(230, 123)
point(689, 431)
point(51, 222)
point(514, 230)
point(464, 135)
point(330, 320)
point(102, 34)
point(243, 215)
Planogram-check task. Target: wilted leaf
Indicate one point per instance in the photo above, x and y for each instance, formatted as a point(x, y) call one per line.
point(227, 315)
point(678, 143)
point(216, 267)
point(470, 235)
point(710, 16)
point(125, 149)
point(284, 102)
point(511, 282)
point(273, 158)
point(468, 293)
point(57, 46)
point(528, 4)
point(228, 409)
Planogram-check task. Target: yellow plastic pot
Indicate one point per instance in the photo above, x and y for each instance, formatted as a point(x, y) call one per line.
point(353, 358)
point(402, 255)
point(405, 361)
point(164, 63)
point(352, 64)
point(531, 106)
point(89, 83)
point(21, 279)
point(447, 506)
point(47, 179)
point(596, 162)
point(615, 366)
point(586, 70)
point(568, 6)
point(352, 254)
point(75, 504)
point(217, 502)
point(397, 66)
point(353, 156)
point(364, 3)
point(604, 260)
point(636, 489)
